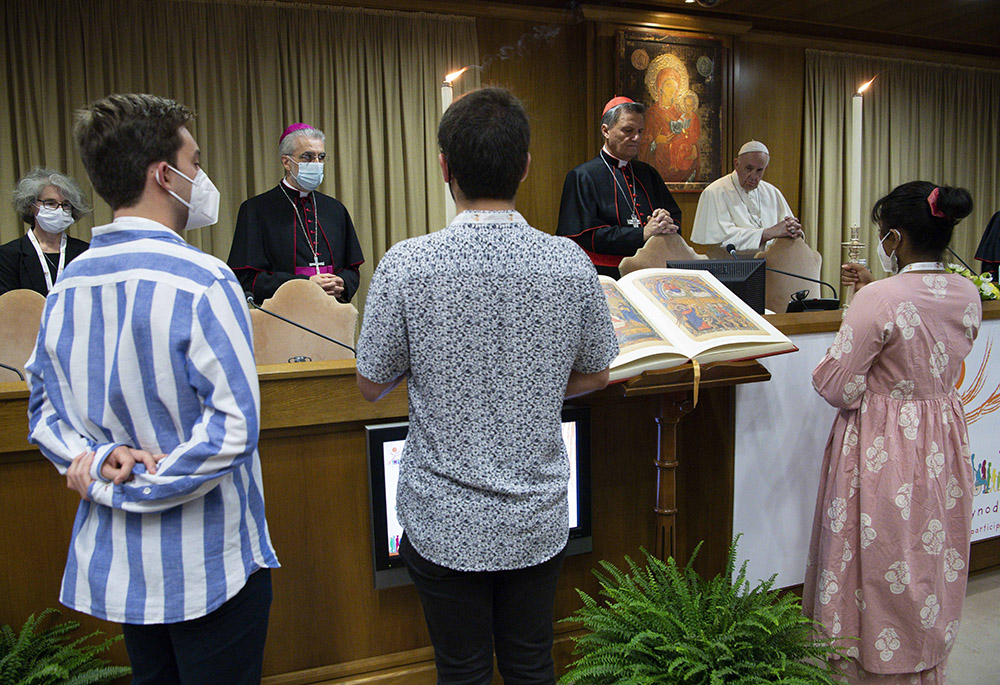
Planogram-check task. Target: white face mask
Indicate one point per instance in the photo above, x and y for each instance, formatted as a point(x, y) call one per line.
point(203, 209)
point(890, 264)
point(53, 220)
point(310, 175)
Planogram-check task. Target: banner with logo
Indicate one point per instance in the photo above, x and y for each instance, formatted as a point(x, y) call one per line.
point(782, 427)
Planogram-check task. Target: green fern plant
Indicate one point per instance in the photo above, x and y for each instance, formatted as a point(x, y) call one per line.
point(661, 624)
point(31, 657)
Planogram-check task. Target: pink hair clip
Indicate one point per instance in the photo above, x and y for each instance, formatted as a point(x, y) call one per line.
point(932, 201)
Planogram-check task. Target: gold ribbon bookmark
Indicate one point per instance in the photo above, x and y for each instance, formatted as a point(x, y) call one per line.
point(697, 381)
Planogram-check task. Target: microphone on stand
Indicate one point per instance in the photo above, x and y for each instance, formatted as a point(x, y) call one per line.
point(799, 303)
point(14, 369)
point(254, 305)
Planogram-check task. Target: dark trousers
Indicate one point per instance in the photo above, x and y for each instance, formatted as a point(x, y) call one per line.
point(471, 613)
point(225, 646)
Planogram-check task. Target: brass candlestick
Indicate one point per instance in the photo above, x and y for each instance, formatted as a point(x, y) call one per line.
point(855, 249)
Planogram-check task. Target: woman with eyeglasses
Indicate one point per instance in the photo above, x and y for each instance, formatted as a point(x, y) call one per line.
point(49, 202)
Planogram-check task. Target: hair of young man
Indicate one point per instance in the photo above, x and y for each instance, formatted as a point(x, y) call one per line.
point(120, 135)
point(612, 116)
point(38, 179)
point(484, 137)
point(906, 208)
point(291, 141)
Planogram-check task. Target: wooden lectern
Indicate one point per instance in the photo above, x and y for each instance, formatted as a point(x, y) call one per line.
point(673, 394)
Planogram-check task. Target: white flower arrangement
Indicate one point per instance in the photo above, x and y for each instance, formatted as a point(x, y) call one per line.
point(988, 290)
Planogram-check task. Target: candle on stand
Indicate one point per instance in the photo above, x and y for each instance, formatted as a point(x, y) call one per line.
point(447, 95)
point(854, 194)
point(855, 245)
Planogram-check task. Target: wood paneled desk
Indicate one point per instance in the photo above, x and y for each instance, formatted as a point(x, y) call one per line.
point(328, 623)
point(327, 620)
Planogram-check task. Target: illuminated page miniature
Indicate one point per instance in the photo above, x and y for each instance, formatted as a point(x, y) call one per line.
point(665, 317)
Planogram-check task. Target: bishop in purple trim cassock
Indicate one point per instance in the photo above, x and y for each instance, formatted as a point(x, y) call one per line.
point(293, 231)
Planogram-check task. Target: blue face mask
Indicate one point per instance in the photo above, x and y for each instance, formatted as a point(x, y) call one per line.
point(310, 175)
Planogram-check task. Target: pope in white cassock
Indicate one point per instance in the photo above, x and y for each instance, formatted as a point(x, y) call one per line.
point(741, 208)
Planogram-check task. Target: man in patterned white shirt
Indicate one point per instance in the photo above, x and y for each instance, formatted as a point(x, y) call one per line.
point(144, 394)
point(482, 490)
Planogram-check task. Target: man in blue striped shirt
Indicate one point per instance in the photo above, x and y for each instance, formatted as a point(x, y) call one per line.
point(144, 394)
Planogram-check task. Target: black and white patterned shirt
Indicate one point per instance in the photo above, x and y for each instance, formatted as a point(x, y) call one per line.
point(486, 318)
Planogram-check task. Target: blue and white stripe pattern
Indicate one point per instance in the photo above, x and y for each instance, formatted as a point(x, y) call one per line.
point(146, 341)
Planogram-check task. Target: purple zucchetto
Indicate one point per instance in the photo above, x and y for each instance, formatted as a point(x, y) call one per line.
point(293, 128)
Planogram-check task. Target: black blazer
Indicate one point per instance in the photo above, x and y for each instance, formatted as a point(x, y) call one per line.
point(19, 267)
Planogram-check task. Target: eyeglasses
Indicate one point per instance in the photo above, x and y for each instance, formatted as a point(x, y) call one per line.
point(52, 204)
point(311, 157)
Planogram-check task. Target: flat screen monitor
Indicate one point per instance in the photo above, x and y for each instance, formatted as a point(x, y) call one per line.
point(745, 277)
point(385, 447)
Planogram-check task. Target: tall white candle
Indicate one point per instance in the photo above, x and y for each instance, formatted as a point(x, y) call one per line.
point(854, 195)
point(854, 245)
point(447, 94)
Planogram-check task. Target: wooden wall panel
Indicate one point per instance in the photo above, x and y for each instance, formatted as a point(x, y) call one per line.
point(38, 513)
point(548, 75)
point(600, 56)
point(769, 105)
point(564, 83)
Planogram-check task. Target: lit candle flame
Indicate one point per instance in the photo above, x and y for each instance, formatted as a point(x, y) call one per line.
point(865, 85)
point(454, 75)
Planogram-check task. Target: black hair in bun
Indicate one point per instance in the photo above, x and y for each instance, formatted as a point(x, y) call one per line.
point(927, 217)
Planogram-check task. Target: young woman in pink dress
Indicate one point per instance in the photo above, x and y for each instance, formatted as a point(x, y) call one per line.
point(891, 533)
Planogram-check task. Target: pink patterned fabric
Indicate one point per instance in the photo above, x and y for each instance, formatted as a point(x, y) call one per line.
point(890, 544)
point(848, 671)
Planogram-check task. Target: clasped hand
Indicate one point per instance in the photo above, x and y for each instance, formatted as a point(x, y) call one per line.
point(660, 223)
point(789, 227)
point(117, 468)
point(332, 285)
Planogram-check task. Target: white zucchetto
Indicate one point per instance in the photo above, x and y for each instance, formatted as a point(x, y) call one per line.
point(754, 146)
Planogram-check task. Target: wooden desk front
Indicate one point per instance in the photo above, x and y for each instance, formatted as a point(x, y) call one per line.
point(327, 620)
point(328, 623)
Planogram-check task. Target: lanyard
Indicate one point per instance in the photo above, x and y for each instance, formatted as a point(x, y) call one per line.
point(922, 266)
point(44, 261)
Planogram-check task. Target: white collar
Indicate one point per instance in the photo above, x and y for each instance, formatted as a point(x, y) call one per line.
point(736, 184)
point(133, 223)
point(284, 182)
point(622, 163)
point(489, 216)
